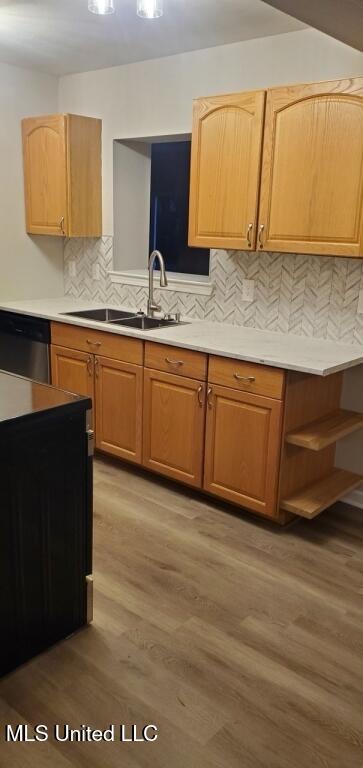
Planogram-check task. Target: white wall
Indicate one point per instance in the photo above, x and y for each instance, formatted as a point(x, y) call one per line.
point(155, 97)
point(132, 172)
point(30, 267)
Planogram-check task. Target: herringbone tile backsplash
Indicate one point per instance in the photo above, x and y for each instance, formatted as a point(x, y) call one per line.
point(303, 295)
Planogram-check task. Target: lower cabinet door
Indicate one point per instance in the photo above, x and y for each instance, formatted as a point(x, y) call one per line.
point(243, 440)
point(174, 417)
point(72, 370)
point(118, 390)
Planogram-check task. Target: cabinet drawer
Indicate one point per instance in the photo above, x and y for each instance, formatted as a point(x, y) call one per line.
point(247, 377)
point(185, 362)
point(98, 342)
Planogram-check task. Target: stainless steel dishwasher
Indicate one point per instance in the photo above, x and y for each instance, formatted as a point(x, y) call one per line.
point(24, 346)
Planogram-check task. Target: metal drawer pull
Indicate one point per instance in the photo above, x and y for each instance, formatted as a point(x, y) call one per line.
point(174, 362)
point(260, 233)
point(200, 398)
point(248, 379)
point(95, 343)
point(209, 401)
point(249, 232)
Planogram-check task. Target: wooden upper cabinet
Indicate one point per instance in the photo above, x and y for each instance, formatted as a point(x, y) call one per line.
point(62, 175)
point(225, 170)
point(45, 175)
point(312, 171)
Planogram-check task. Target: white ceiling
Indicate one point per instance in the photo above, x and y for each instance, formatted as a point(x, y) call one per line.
point(61, 36)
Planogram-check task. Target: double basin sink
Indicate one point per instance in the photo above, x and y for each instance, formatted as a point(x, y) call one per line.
point(127, 319)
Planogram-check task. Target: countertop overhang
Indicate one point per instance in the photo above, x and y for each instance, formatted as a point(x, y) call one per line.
point(289, 351)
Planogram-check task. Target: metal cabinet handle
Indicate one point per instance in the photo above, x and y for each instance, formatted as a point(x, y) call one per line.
point(209, 400)
point(94, 343)
point(200, 395)
point(89, 365)
point(248, 379)
point(174, 362)
point(61, 225)
point(97, 367)
point(260, 233)
point(249, 233)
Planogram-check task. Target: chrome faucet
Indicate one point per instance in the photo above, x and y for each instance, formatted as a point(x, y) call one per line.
point(151, 306)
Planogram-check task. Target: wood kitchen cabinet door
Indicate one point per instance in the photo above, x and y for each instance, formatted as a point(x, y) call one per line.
point(62, 175)
point(243, 439)
point(312, 171)
point(174, 417)
point(72, 370)
point(225, 170)
point(118, 390)
point(45, 174)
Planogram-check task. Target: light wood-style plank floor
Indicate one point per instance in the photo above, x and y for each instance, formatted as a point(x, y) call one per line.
point(242, 642)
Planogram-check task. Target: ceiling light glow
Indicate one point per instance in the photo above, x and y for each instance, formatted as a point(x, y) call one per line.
point(101, 7)
point(150, 9)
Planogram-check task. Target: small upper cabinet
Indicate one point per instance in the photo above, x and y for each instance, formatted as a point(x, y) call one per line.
point(225, 170)
point(312, 170)
point(62, 175)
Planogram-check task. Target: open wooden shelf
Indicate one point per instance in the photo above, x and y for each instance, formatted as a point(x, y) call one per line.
point(327, 430)
point(310, 501)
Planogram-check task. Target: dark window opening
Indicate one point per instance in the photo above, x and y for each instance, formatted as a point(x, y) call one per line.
point(169, 205)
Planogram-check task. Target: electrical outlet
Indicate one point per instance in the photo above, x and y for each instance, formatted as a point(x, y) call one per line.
point(248, 290)
point(72, 268)
point(360, 303)
point(95, 271)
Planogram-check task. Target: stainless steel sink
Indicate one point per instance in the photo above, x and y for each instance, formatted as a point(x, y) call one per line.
point(102, 315)
point(126, 319)
point(144, 323)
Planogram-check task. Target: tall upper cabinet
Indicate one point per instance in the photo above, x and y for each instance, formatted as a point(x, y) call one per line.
point(225, 170)
point(309, 186)
point(62, 175)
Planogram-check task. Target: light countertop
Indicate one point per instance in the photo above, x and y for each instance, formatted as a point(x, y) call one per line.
point(296, 353)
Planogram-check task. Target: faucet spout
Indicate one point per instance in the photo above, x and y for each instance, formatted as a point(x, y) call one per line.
point(151, 305)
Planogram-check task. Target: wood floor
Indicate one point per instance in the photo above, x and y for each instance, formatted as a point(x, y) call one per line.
point(242, 642)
